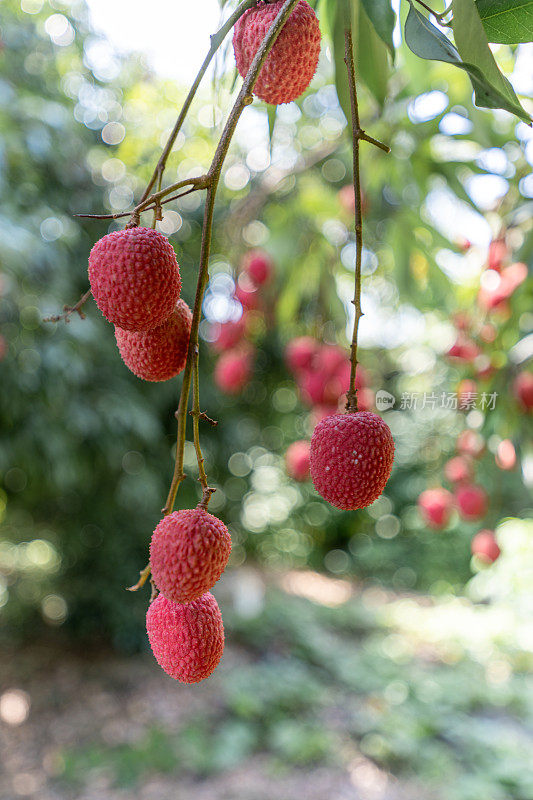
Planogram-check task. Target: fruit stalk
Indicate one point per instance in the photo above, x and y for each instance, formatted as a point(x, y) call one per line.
point(358, 134)
point(244, 99)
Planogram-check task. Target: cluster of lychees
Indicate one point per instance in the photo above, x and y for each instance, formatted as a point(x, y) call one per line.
point(350, 454)
point(136, 283)
point(498, 283)
point(232, 339)
point(188, 554)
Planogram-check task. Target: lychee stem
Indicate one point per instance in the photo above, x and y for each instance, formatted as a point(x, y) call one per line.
point(244, 99)
point(357, 135)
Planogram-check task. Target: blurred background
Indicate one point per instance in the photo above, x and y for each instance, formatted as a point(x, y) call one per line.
point(375, 655)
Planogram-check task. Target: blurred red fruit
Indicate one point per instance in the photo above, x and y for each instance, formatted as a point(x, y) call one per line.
point(523, 390)
point(300, 353)
point(471, 502)
point(258, 266)
point(470, 443)
point(497, 254)
point(233, 371)
point(466, 394)
point(502, 287)
point(459, 470)
point(247, 294)
point(484, 368)
point(461, 320)
point(506, 455)
point(435, 506)
point(228, 334)
point(297, 460)
point(488, 333)
point(463, 349)
point(485, 546)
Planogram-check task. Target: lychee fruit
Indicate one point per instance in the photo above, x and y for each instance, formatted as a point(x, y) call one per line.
point(135, 278)
point(300, 353)
point(523, 389)
point(497, 254)
point(463, 349)
point(471, 502)
point(470, 443)
point(506, 455)
point(246, 293)
point(485, 546)
point(435, 506)
point(228, 334)
point(187, 639)
point(188, 554)
point(258, 266)
point(161, 353)
point(459, 469)
point(351, 458)
point(297, 460)
point(292, 62)
point(466, 394)
point(233, 371)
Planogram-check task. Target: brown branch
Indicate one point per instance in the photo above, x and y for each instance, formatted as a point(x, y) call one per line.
point(69, 310)
point(358, 134)
point(144, 573)
point(244, 99)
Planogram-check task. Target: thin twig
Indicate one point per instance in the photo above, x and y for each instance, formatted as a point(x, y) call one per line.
point(358, 134)
point(144, 573)
point(244, 99)
point(216, 40)
point(439, 17)
point(202, 477)
point(69, 310)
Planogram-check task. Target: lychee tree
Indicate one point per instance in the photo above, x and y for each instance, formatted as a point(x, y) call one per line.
point(135, 280)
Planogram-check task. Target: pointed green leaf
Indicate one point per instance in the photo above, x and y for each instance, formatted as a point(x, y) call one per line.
point(472, 44)
point(507, 21)
point(426, 41)
point(383, 18)
point(371, 62)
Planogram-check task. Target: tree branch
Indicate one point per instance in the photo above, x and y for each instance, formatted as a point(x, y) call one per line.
point(358, 134)
point(69, 310)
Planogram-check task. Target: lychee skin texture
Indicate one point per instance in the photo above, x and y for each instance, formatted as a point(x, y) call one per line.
point(351, 458)
point(135, 278)
point(161, 353)
point(297, 460)
point(188, 554)
point(471, 501)
point(292, 62)
point(187, 639)
point(435, 506)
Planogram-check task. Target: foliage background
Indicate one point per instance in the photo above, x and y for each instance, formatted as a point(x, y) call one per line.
point(86, 449)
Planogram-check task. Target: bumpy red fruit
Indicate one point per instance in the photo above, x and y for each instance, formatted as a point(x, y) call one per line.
point(161, 353)
point(135, 278)
point(297, 460)
point(292, 62)
point(351, 458)
point(187, 639)
point(188, 554)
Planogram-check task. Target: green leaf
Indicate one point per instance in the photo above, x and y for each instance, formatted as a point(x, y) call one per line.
point(507, 21)
point(383, 18)
point(472, 44)
point(370, 53)
point(428, 42)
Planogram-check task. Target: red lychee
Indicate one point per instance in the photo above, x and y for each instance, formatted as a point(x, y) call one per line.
point(292, 62)
point(459, 470)
point(300, 353)
point(351, 458)
point(297, 460)
point(135, 278)
point(161, 353)
point(188, 554)
point(523, 389)
point(485, 546)
point(187, 639)
point(471, 502)
point(504, 285)
point(463, 349)
point(435, 506)
point(233, 371)
point(228, 334)
point(258, 265)
point(246, 293)
point(497, 254)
